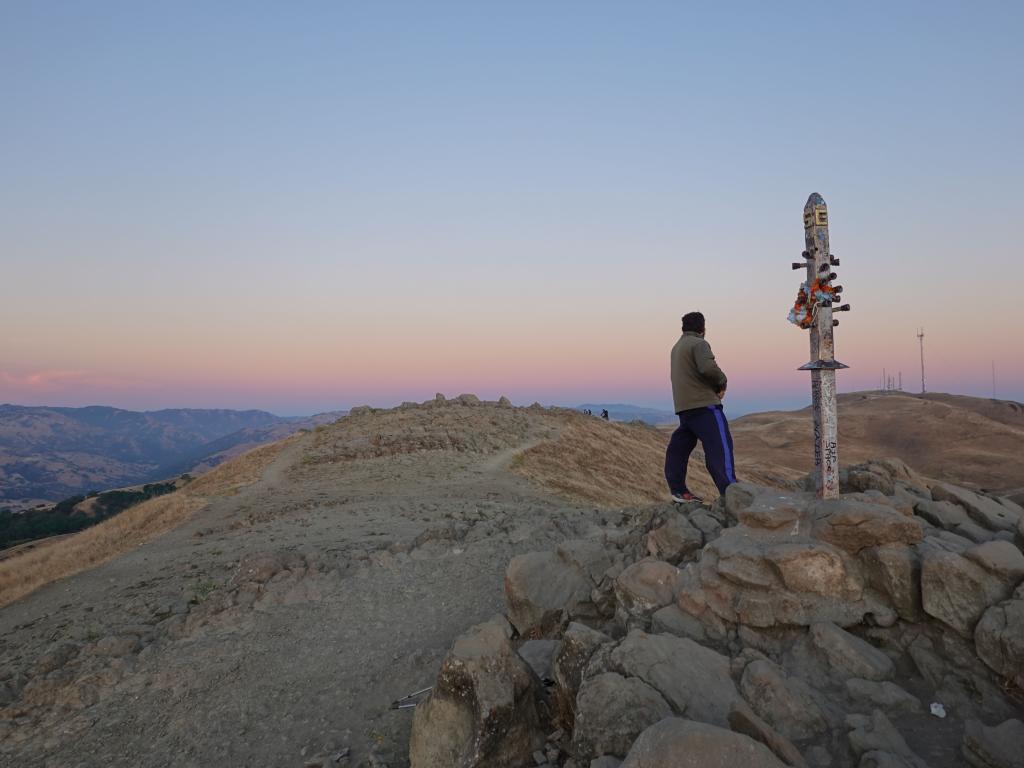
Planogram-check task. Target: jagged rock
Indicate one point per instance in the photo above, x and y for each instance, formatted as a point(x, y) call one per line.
point(1001, 746)
point(875, 733)
point(986, 512)
point(849, 654)
point(743, 720)
point(786, 703)
point(738, 497)
point(957, 590)
point(611, 711)
point(942, 514)
point(895, 571)
point(888, 697)
point(673, 540)
point(694, 680)
point(483, 710)
point(578, 644)
point(671, 620)
point(542, 591)
point(855, 525)
point(644, 587)
point(538, 654)
point(678, 743)
point(999, 638)
point(504, 402)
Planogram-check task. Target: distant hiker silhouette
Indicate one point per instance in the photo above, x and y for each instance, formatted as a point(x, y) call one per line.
point(698, 386)
point(604, 414)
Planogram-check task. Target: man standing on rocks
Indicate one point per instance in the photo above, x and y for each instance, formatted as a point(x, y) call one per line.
point(698, 386)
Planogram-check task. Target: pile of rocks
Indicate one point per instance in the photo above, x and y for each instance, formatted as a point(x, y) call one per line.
point(885, 628)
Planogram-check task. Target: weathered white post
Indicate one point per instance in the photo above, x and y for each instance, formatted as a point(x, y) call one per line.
point(820, 293)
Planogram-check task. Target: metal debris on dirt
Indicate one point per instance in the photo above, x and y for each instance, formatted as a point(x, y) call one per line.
point(406, 702)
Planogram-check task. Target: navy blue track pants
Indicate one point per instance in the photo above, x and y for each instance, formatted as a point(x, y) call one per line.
point(710, 427)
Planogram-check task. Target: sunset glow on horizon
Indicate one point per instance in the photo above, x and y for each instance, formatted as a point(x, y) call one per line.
point(248, 207)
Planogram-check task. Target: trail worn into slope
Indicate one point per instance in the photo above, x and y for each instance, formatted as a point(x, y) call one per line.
point(275, 627)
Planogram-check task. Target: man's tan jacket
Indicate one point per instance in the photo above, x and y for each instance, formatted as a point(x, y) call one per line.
point(696, 377)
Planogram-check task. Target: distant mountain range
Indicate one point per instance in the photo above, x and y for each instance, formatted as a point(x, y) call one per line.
point(47, 454)
point(625, 412)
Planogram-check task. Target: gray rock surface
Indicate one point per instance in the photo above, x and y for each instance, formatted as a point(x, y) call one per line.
point(786, 703)
point(849, 655)
point(957, 590)
point(678, 743)
point(611, 711)
point(999, 638)
point(694, 680)
point(483, 711)
point(986, 512)
point(542, 590)
point(886, 696)
point(644, 587)
point(1001, 746)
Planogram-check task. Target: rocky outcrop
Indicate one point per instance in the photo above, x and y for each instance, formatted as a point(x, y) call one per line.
point(483, 711)
point(775, 629)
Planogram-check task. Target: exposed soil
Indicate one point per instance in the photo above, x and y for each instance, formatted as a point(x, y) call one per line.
point(276, 627)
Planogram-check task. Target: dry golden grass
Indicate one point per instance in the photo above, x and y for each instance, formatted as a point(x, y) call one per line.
point(607, 463)
point(23, 573)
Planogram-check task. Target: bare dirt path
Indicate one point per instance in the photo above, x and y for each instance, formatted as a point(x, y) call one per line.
point(276, 626)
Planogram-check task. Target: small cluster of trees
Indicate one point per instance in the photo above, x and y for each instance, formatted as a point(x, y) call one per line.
point(19, 527)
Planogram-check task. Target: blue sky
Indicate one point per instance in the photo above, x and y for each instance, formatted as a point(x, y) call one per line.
point(306, 206)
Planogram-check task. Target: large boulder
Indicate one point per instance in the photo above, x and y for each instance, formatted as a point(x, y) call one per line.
point(644, 587)
point(678, 743)
point(958, 588)
point(694, 680)
point(1000, 746)
point(787, 704)
point(941, 514)
point(894, 570)
point(542, 591)
point(875, 735)
point(674, 540)
point(483, 711)
point(886, 696)
point(849, 655)
point(986, 512)
point(855, 525)
point(578, 644)
point(999, 638)
point(611, 711)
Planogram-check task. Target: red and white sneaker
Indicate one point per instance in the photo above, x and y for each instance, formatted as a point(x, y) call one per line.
point(682, 498)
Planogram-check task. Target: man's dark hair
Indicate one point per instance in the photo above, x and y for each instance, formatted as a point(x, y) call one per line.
point(693, 321)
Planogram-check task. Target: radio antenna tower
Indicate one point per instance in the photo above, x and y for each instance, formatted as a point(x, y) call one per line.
point(920, 340)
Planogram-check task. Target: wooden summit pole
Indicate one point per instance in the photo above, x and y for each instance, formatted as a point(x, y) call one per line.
point(822, 365)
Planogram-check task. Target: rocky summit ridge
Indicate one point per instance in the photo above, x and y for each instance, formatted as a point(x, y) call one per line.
point(772, 628)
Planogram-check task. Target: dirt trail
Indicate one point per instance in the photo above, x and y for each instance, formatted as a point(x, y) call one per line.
point(276, 626)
